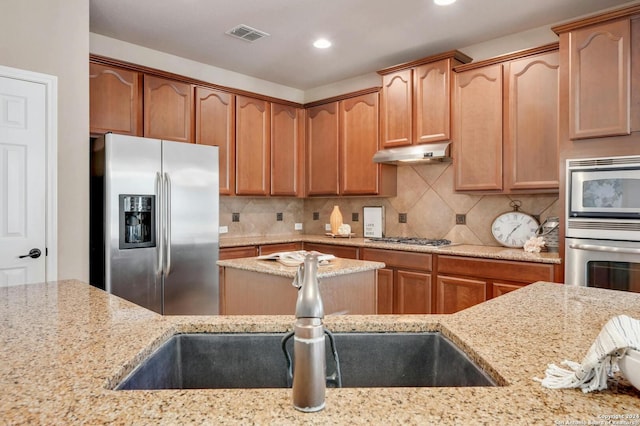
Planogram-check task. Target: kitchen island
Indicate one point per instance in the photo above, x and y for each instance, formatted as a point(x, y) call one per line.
point(67, 344)
point(254, 286)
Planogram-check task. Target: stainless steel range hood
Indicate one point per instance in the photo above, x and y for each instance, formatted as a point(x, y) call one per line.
point(424, 153)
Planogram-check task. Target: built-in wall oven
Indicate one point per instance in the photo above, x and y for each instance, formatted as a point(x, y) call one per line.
point(602, 246)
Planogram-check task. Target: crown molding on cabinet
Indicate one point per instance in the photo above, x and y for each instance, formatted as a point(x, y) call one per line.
point(455, 54)
point(177, 77)
point(508, 57)
point(597, 19)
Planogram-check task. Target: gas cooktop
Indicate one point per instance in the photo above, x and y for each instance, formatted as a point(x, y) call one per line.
point(412, 240)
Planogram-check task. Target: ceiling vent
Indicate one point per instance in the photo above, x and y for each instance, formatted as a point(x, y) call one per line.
point(246, 33)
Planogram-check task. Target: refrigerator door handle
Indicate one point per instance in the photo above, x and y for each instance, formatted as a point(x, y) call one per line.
point(167, 223)
point(159, 223)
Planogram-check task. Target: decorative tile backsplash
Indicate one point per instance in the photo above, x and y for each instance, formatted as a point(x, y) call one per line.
point(425, 195)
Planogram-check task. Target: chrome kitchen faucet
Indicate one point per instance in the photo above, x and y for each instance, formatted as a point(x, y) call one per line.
point(309, 373)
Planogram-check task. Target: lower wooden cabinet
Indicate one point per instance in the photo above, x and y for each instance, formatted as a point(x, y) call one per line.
point(456, 294)
point(413, 292)
point(385, 290)
point(498, 288)
point(464, 281)
point(405, 285)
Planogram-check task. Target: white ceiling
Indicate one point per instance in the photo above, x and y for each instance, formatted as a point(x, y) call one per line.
point(367, 35)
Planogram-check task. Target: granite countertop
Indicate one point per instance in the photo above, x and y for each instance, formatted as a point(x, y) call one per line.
point(66, 344)
point(333, 268)
point(487, 252)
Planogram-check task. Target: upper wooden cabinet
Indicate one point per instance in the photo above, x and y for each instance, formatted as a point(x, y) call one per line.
point(322, 149)
point(396, 108)
point(477, 129)
point(215, 125)
point(115, 96)
point(531, 113)
point(599, 60)
point(416, 100)
point(168, 109)
point(358, 144)
point(506, 123)
point(342, 137)
point(253, 146)
point(287, 160)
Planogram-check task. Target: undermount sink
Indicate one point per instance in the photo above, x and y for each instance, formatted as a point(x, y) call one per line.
point(256, 360)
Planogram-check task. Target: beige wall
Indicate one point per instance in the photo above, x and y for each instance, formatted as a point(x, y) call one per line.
point(117, 49)
point(52, 37)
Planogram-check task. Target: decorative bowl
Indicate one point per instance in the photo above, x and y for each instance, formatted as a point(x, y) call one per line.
point(630, 367)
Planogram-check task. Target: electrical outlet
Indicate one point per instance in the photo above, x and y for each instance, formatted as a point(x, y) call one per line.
point(223, 229)
point(355, 217)
point(327, 227)
point(297, 227)
point(402, 218)
point(235, 217)
point(279, 217)
point(461, 219)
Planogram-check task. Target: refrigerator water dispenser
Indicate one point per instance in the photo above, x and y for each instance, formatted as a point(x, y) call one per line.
point(137, 221)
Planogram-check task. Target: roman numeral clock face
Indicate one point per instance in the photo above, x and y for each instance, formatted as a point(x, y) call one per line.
point(513, 229)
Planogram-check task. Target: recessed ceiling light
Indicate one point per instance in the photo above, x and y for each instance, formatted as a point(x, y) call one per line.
point(444, 2)
point(322, 43)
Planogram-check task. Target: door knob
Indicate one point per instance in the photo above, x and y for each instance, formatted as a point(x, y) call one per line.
point(34, 253)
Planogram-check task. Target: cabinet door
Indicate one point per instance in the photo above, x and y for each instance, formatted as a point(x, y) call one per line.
point(498, 289)
point(168, 109)
point(599, 58)
point(358, 143)
point(115, 97)
point(396, 108)
point(477, 129)
point(385, 291)
point(413, 292)
point(531, 123)
point(432, 102)
point(215, 112)
point(285, 150)
point(322, 149)
point(253, 122)
point(456, 294)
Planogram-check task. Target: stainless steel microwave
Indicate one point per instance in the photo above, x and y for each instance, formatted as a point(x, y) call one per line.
point(603, 198)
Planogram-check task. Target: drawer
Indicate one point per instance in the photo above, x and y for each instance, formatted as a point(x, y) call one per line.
point(508, 270)
point(238, 252)
point(399, 259)
point(345, 252)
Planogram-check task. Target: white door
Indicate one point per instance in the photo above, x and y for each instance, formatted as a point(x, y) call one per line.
point(22, 181)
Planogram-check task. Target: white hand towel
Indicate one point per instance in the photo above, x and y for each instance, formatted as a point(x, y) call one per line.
point(618, 334)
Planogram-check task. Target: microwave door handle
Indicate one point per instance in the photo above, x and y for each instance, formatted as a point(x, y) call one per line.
point(593, 247)
point(159, 224)
point(167, 223)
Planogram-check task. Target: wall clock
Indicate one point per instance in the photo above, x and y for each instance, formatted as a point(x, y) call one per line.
point(514, 228)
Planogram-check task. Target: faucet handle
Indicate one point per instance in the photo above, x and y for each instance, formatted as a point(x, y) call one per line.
point(299, 277)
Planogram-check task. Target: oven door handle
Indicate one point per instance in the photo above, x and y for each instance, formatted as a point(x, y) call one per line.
point(592, 247)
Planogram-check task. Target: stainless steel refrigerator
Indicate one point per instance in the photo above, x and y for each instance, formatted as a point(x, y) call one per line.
point(154, 223)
